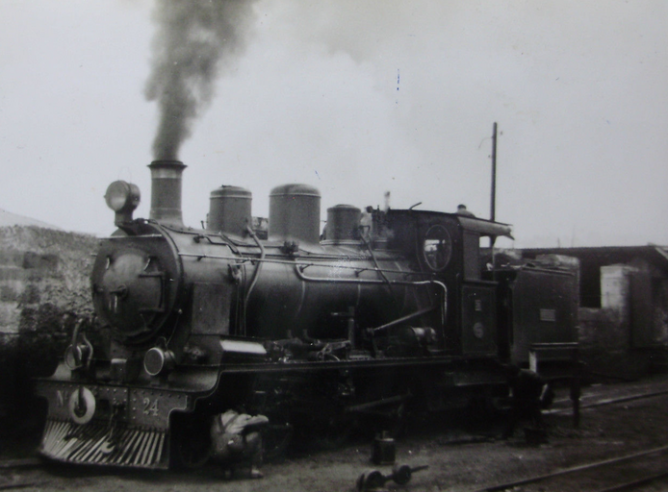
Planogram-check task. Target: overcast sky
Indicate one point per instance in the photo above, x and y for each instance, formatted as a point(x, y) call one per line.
point(357, 97)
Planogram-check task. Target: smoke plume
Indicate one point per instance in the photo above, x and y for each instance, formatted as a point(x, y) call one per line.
point(194, 41)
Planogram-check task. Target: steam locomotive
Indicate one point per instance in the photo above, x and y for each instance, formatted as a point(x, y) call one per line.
point(386, 309)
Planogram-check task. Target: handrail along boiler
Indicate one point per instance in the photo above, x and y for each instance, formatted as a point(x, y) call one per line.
point(300, 327)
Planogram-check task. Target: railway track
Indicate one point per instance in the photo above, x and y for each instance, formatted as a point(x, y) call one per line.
point(9, 479)
point(629, 472)
point(20, 463)
point(602, 401)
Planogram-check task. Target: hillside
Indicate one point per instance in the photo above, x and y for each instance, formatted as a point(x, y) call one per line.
point(10, 219)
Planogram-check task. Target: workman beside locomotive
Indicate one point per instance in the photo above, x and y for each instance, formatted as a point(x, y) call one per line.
point(236, 441)
point(530, 393)
point(305, 332)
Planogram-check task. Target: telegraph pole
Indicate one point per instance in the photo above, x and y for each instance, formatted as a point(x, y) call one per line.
point(492, 211)
point(493, 199)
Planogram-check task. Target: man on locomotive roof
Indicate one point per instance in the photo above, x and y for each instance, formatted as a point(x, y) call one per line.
point(366, 222)
point(461, 210)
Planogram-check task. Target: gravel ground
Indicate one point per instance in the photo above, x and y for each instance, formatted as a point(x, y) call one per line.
point(463, 455)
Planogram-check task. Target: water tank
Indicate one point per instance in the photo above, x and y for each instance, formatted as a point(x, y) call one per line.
point(294, 213)
point(343, 223)
point(230, 210)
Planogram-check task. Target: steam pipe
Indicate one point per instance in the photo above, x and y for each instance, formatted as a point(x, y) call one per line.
point(256, 274)
point(399, 321)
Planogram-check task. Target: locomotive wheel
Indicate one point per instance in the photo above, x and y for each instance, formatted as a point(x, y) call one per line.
point(333, 433)
point(275, 440)
point(370, 480)
point(392, 421)
point(399, 420)
point(191, 442)
point(401, 474)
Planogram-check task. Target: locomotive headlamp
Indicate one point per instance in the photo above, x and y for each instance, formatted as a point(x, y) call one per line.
point(158, 361)
point(123, 198)
point(76, 356)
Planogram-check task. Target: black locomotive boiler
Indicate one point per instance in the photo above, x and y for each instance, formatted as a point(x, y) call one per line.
point(382, 311)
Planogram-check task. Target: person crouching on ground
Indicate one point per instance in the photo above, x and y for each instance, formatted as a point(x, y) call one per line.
point(237, 441)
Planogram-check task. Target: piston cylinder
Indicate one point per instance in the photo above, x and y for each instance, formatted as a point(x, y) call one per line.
point(230, 210)
point(294, 213)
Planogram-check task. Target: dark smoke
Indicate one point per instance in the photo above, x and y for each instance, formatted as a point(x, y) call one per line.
point(195, 39)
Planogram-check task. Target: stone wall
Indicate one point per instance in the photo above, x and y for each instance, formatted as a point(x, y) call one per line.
point(44, 273)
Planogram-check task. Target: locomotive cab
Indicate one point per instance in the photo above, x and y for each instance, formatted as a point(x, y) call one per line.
point(447, 246)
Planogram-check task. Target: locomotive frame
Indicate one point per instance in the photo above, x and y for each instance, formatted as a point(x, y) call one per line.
point(370, 318)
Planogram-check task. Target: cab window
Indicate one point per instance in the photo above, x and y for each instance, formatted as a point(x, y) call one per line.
point(437, 248)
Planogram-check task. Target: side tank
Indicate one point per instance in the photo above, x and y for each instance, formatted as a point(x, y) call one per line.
point(315, 294)
point(301, 287)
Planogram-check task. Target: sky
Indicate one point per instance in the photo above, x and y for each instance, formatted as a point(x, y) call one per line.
point(356, 98)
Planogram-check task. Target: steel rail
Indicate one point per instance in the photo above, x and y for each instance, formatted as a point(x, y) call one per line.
point(21, 463)
point(635, 483)
point(610, 401)
point(575, 469)
point(20, 485)
point(7, 465)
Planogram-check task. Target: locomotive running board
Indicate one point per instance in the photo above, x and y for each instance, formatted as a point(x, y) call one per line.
point(94, 444)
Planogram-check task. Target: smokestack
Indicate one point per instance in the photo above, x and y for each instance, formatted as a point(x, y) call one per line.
point(166, 191)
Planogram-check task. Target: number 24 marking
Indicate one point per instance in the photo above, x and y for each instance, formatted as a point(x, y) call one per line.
point(150, 406)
